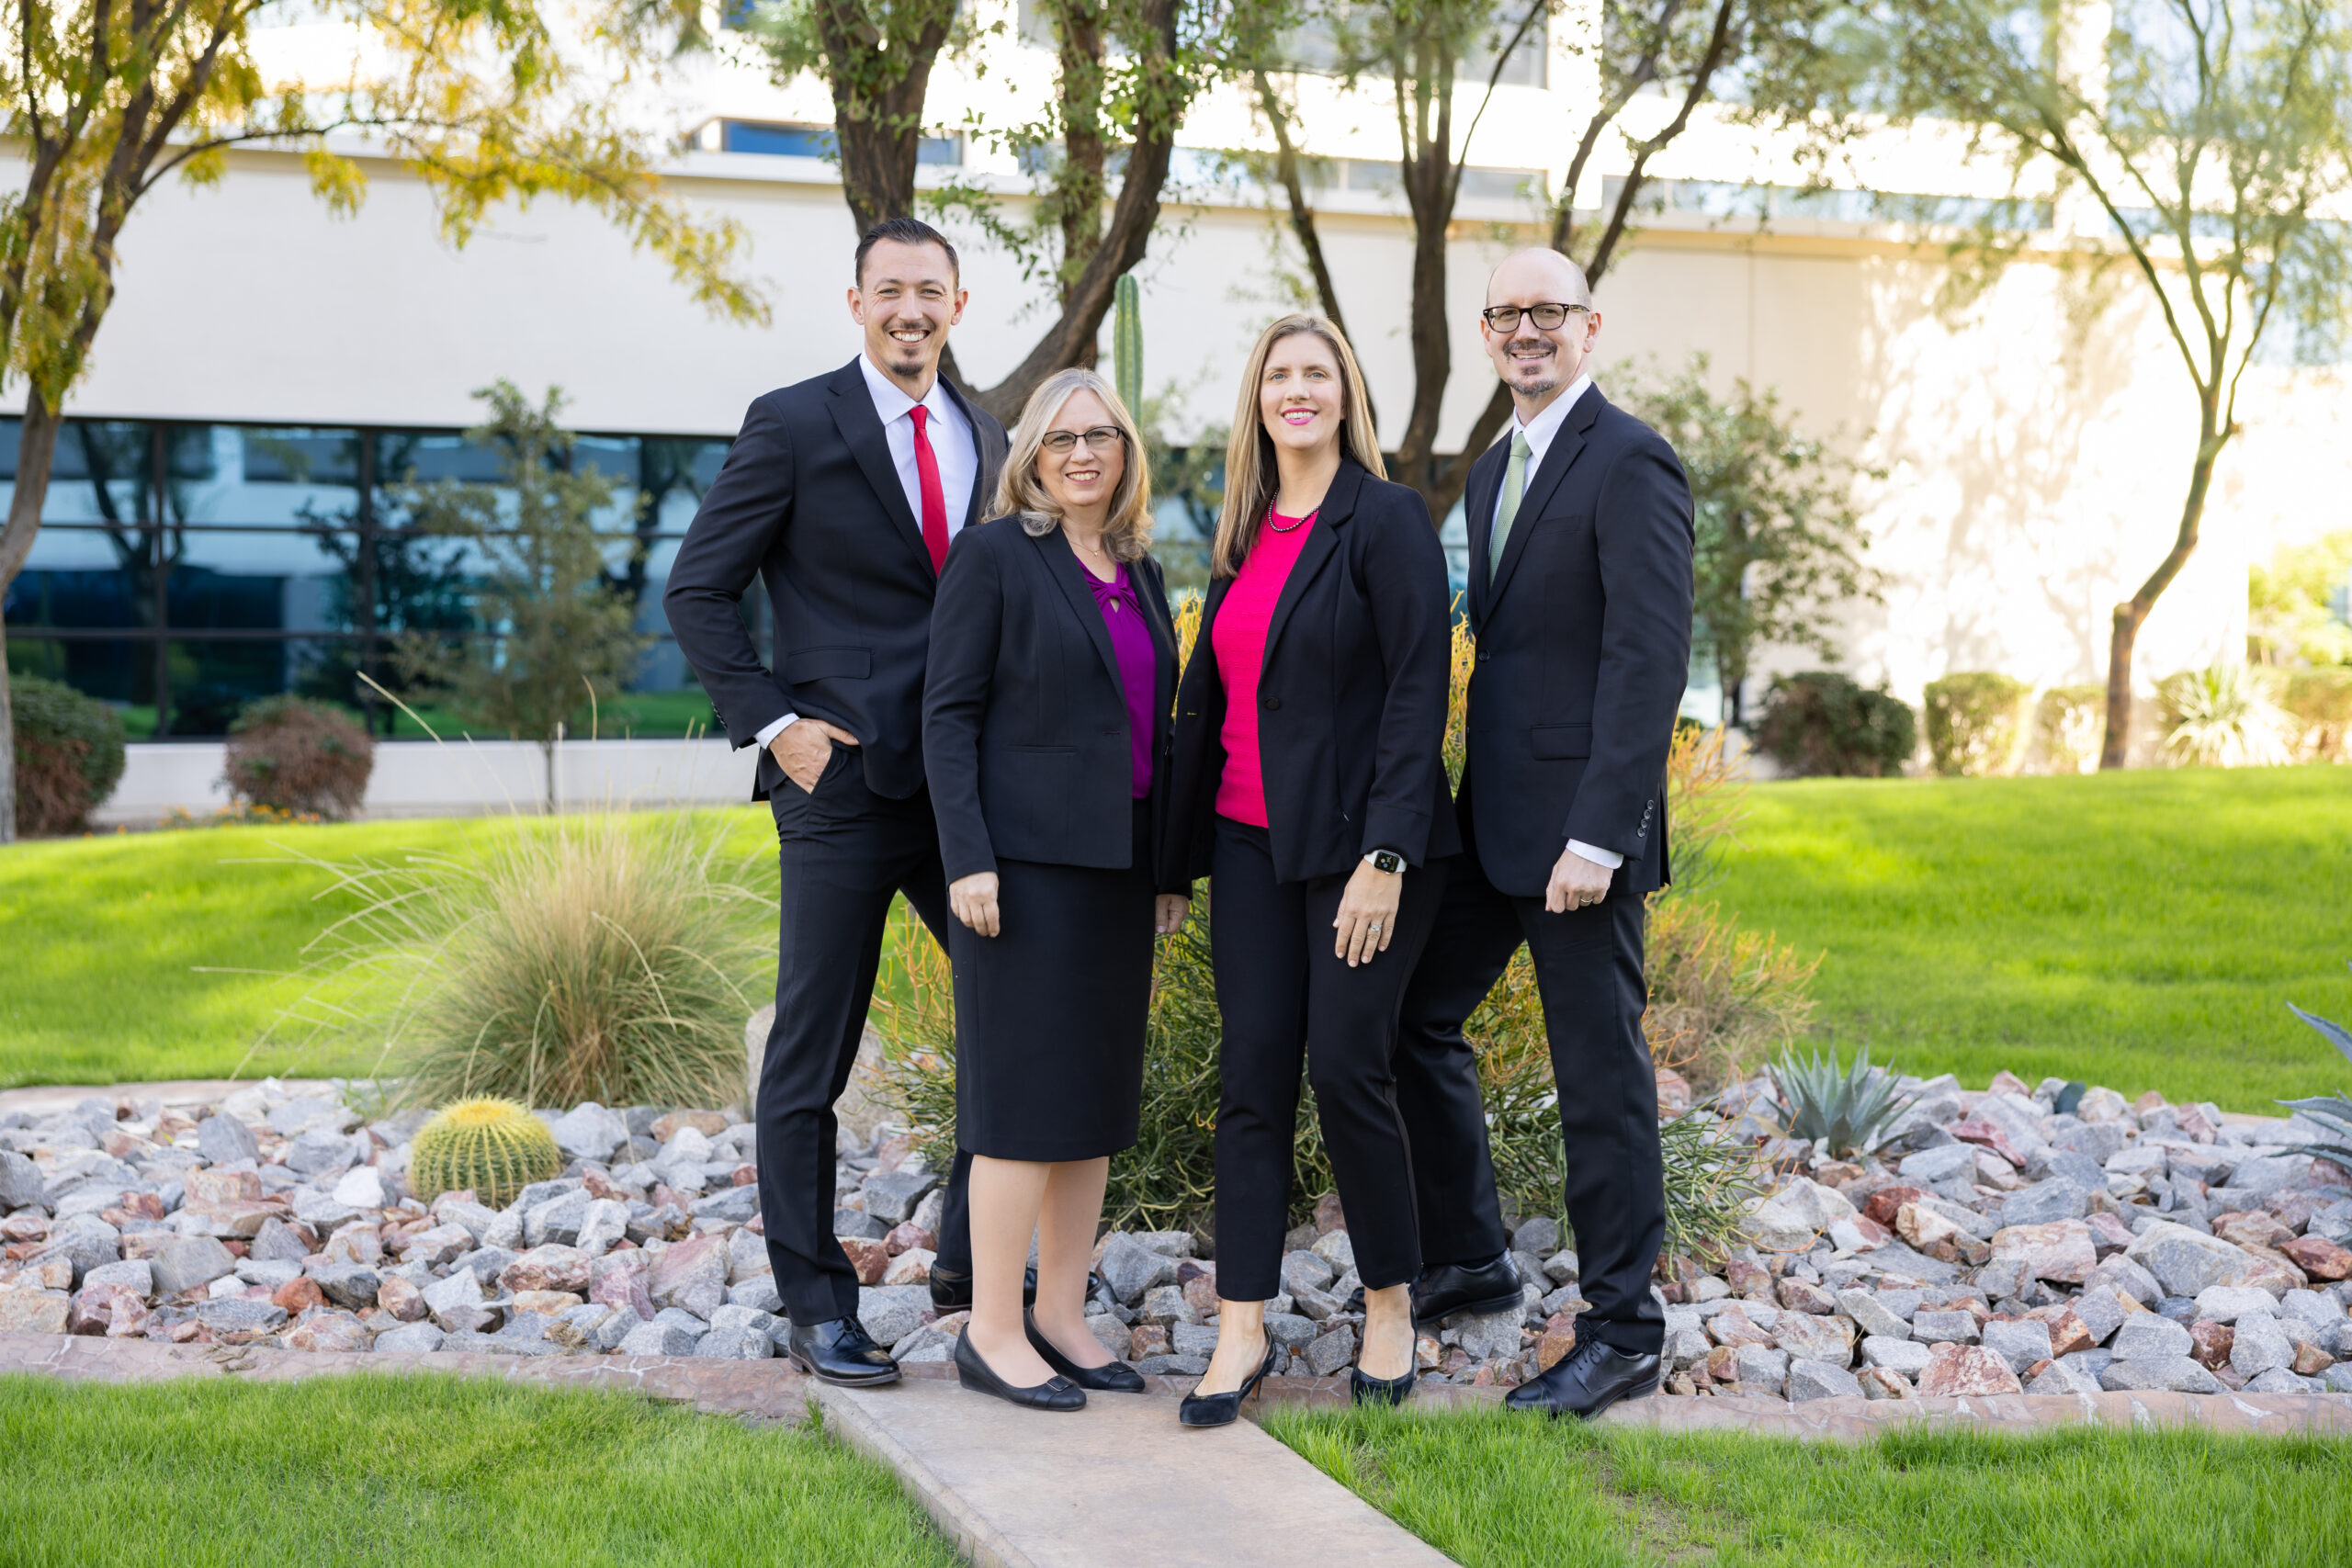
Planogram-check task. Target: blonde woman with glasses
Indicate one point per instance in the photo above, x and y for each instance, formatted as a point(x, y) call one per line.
point(1311, 791)
point(1046, 740)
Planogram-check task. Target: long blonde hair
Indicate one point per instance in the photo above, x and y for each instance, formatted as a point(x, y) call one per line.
point(1251, 479)
point(1126, 533)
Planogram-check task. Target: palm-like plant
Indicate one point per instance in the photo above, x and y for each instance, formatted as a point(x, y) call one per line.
point(2332, 1111)
point(2225, 717)
point(1824, 1101)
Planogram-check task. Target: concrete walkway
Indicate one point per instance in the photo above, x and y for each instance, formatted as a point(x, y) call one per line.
point(1118, 1482)
point(47, 1100)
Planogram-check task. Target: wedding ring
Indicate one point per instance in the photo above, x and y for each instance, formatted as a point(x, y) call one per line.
point(1375, 928)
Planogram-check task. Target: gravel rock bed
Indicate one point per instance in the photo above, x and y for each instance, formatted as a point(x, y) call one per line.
point(1992, 1245)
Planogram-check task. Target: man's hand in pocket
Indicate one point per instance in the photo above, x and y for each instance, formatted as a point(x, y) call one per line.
point(803, 748)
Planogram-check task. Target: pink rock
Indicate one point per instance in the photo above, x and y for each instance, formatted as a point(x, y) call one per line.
point(33, 1312)
point(299, 1296)
point(871, 1259)
point(906, 1237)
point(438, 1245)
point(553, 1267)
point(622, 1287)
point(241, 1219)
point(745, 1175)
point(910, 1267)
point(1732, 1329)
point(24, 1227)
point(209, 1186)
point(546, 1303)
point(2209, 1342)
point(115, 1311)
point(398, 1296)
point(357, 1242)
point(327, 1330)
point(2060, 1251)
point(1985, 1135)
point(1966, 1370)
point(2109, 1235)
point(1803, 1295)
point(1923, 1227)
point(2010, 1083)
point(1198, 1281)
point(2319, 1258)
point(693, 1272)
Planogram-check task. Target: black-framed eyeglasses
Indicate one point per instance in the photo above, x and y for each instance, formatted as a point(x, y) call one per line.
point(1101, 438)
point(1548, 317)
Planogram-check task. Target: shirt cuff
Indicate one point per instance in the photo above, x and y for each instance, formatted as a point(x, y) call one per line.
point(767, 735)
point(1594, 854)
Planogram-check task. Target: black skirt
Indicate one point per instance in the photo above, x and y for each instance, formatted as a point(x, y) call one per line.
point(1050, 1012)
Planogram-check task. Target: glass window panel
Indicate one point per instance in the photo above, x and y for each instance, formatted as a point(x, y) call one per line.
point(677, 471)
point(84, 577)
point(119, 671)
point(212, 678)
point(266, 476)
point(100, 473)
point(261, 581)
point(423, 582)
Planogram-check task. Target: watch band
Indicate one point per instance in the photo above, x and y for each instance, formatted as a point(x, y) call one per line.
point(1388, 863)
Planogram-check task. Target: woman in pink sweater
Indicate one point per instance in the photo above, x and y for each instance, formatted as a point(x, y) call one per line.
point(1310, 789)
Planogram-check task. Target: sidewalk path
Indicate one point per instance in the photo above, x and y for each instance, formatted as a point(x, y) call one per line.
point(47, 1100)
point(1118, 1482)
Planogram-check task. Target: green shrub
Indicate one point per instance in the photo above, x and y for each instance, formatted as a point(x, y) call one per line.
point(299, 755)
point(69, 756)
point(2320, 703)
point(1822, 722)
point(490, 1146)
point(597, 956)
point(2069, 723)
point(2224, 716)
point(1976, 723)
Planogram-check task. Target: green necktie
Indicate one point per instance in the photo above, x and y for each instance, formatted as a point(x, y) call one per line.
point(1506, 503)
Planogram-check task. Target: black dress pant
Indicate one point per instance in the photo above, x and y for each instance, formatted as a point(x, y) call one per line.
point(1283, 993)
point(843, 853)
point(1589, 971)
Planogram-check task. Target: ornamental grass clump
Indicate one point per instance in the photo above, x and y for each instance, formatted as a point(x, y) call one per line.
point(599, 956)
point(2225, 717)
point(490, 1146)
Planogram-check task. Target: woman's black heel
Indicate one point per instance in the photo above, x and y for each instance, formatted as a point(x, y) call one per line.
point(1366, 1390)
point(1111, 1377)
point(1054, 1393)
point(1225, 1409)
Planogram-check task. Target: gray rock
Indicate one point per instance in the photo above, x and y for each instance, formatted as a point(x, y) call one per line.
point(138, 1273)
point(1172, 1366)
point(2260, 1344)
point(275, 1243)
point(1131, 1269)
point(1763, 1368)
point(191, 1261)
point(2338, 1378)
point(1540, 1236)
point(659, 1338)
point(459, 1291)
point(319, 1152)
point(555, 1219)
point(2279, 1380)
point(349, 1285)
point(734, 1344)
point(1872, 1316)
point(1331, 1351)
point(223, 1139)
point(2228, 1303)
point(2020, 1343)
point(602, 1224)
point(486, 1263)
point(1944, 1327)
point(2258, 1178)
point(736, 1205)
point(21, 1182)
point(2179, 1309)
point(890, 1312)
point(411, 1337)
point(1939, 1164)
point(2065, 1165)
point(230, 1314)
point(2099, 1140)
point(2313, 1310)
point(1165, 1304)
point(858, 1223)
point(1290, 1330)
point(310, 1111)
point(2146, 1337)
point(758, 1292)
point(2056, 1199)
point(1821, 1380)
point(1907, 1356)
point(1339, 1249)
point(1191, 1339)
point(539, 1192)
point(891, 1196)
point(588, 1132)
point(2101, 1311)
point(525, 1325)
point(928, 1343)
point(2064, 1375)
point(272, 1273)
point(1304, 1269)
point(2185, 1261)
point(1485, 1337)
point(2121, 1274)
point(1685, 1346)
point(2176, 1374)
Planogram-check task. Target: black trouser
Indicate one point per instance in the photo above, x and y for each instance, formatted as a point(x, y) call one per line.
point(1588, 970)
point(843, 852)
point(1283, 994)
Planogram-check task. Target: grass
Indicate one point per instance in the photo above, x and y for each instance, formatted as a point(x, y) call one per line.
point(2142, 930)
point(106, 943)
point(424, 1469)
point(1493, 1490)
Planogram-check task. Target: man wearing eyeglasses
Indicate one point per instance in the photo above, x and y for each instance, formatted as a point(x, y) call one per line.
point(1581, 592)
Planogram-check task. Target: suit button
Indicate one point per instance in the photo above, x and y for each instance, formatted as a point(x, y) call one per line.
point(1270, 702)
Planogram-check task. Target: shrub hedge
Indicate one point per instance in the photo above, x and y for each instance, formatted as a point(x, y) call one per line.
point(69, 756)
point(299, 755)
point(1976, 723)
point(1825, 723)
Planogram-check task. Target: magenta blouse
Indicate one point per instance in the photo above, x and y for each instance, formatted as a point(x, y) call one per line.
point(1138, 664)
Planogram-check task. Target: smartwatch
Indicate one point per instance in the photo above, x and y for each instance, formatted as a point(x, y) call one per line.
point(1387, 862)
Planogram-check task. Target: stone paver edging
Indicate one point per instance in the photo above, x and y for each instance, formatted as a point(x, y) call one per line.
point(47, 1100)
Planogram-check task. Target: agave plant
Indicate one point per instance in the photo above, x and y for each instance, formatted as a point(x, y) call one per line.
point(1848, 1110)
point(2225, 717)
point(2333, 1112)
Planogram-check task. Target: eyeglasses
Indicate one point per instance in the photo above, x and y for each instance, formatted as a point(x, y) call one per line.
point(1547, 317)
point(1102, 437)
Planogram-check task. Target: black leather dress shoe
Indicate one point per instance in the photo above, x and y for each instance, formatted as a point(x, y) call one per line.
point(838, 1350)
point(1111, 1377)
point(951, 1291)
point(1588, 1381)
point(1054, 1393)
point(1474, 1288)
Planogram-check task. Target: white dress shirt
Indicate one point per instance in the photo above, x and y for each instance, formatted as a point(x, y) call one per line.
point(1539, 433)
point(952, 445)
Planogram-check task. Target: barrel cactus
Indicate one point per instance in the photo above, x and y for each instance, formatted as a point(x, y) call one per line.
point(494, 1147)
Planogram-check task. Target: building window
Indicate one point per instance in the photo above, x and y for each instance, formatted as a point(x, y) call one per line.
point(818, 142)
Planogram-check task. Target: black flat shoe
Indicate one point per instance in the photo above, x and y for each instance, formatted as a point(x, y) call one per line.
point(839, 1351)
point(1588, 1381)
point(1111, 1377)
point(1225, 1409)
point(951, 1291)
point(1364, 1390)
point(1054, 1393)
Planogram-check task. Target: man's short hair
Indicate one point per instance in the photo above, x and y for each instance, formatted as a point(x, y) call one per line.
point(904, 231)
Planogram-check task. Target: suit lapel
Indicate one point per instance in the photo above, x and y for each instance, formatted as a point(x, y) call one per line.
point(988, 449)
point(1322, 542)
point(1486, 488)
point(1062, 566)
point(1557, 461)
point(861, 428)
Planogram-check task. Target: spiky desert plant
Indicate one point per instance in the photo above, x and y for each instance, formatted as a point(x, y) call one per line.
point(2333, 1112)
point(494, 1147)
point(2225, 717)
point(606, 955)
point(1712, 1182)
point(1823, 1100)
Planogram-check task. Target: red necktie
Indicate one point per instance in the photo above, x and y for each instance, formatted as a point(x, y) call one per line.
point(935, 495)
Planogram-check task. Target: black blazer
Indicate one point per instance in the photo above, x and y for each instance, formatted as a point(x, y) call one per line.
point(1025, 734)
point(1352, 697)
point(809, 500)
point(1584, 650)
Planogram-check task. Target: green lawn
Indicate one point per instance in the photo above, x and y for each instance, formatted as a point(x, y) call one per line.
point(2144, 931)
point(1494, 1490)
point(427, 1470)
point(104, 943)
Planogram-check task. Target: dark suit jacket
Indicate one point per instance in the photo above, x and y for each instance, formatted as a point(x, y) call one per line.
point(808, 501)
point(1584, 649)
point(1352, 697)
point(1025, 734)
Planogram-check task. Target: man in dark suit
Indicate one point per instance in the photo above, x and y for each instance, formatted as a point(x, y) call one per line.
point(841, 494)
point(1580, 592)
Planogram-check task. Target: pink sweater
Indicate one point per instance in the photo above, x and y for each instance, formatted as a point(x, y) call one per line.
point(1239, 640)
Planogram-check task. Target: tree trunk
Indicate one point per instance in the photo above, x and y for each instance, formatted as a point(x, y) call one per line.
point(878, 122)
point(36, 454)
point(2132, 613)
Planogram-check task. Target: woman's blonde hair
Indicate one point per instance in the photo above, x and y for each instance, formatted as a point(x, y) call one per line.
point(1250, 477)
point(1020, 493)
